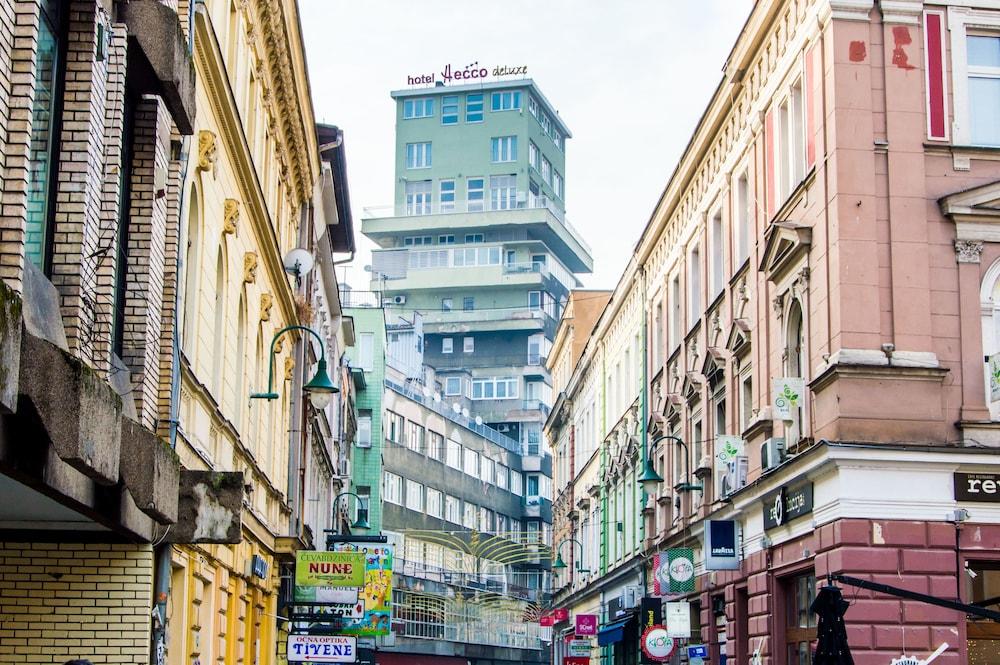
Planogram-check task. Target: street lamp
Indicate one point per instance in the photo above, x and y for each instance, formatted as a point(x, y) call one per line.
point(687, 485)
point(320, 388)
point(559, 564)
point(362, 520)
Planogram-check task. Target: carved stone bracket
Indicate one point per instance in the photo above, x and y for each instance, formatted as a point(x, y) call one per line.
point(249, 267)
point(266, 303)
point(207, 150)
point(968, 251)
point(289, 366)
point(779, 305)
point(231, 216)
point(279, 345)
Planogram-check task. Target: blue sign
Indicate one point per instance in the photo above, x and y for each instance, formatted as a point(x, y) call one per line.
point(720, 545)
point(698, 651)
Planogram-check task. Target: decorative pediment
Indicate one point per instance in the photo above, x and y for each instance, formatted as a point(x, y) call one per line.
point(691, 388)
point(714, 367)
point(738, 342)
point(675, 404)
point(976, 212)
point(784, 244)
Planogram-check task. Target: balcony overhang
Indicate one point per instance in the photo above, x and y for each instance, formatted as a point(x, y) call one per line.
point(159, 62)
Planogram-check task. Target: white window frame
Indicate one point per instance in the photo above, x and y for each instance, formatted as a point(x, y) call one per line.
point(470, 462)
point(478, 203)
point(419, 155)
point(421, 107)
point(492, 385)
point(533, 156)
point(453, 516)
point(557, 184)
point(503, 149)
point(392, 488)
point(717, 243)
point(533, 106)
point(453, 454)
point(468, 345)
point(364, 433)
point(419, 196)
point(447, 345)
point(414, 495)
point(446, 197)
point(448, 382)
point(469, 105)
point(962, 20)
point(510, 100)
point(456, 114)
point(503, 192)
point(742, 216)
point(435, 503)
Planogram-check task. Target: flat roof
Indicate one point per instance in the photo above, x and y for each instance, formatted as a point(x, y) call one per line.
point(488, 85)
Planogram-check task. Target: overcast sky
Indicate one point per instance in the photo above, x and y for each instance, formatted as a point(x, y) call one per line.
point(629, 77)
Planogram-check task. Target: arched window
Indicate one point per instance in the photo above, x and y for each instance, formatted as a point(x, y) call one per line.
point(241, 352)
point(795, 365)
point(191, 265)
point(218, 330)
point(259, 384)
point(990, 312)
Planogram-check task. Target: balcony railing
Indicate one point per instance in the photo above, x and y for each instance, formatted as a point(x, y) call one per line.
point(425, 206)
point(352, 298)
point(505, 583)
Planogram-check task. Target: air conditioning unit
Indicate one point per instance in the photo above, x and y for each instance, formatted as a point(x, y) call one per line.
point(772, 453)
point(631, 597)
point(399, 300)
point(734, 477)
point(345, 468)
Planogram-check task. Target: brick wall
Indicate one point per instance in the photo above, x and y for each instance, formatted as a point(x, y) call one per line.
point(69, 600)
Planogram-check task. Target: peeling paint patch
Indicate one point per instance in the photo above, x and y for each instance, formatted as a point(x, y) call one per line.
point(858, 52)
point(901, 37)
point(213, 521)
point(877, 537)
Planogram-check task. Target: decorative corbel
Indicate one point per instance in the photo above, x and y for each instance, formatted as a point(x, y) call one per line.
point(266, 302)
point(230, 216)
point(968, 251)
point(778, 304)
point(279, 345)
point(249, 267)
point(207, 150)
point(289, 366)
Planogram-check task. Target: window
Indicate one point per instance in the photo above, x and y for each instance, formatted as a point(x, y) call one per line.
point(364, 434)
point(516, 482)
point(800, 622)
point(532, 487)
point(418, 155)
point(473, 237)
point(557, 184)
point(435, 446)
point(485, 519)
point(470, 462)
point(470, 513)
point(468, 345)
point(487, 469)
point(474, 108)
point(417, 240)
point(675, 312)
point(534, 300)
point(746, 399)
point(366, 351)
point(475, 188)
point(534, 160)
point(449, 110)
point(533, 436)
point(414, 496)
point(546, 171)
point(743, 217)
point(446, 304)
point(392, 488)
point(418, 197)
point(447, 344)
point(557, 138)
point(43, 153)
point(506, 101)
point(502, 476)
point(453, 386)
point(446, 240)
point(535, 349)
point(453, 456)
point(446, 200)
point(451, 509)
point(434, 503)
point(494, 388)
point(657, 341)
point(418, 108)
point(414, 437)
point(694, 285)
point(503, 149)
point(984, 89)
point(394, 427)
point(718, 254)
point(791, 154)
point(468, 303)
point(503, 192)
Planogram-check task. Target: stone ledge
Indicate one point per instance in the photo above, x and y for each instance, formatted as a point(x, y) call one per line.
point(151, 472)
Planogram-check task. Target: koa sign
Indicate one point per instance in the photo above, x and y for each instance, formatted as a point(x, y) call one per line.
point(322, 649)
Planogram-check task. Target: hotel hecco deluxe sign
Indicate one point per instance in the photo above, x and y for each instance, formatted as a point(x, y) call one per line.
point(468, 74)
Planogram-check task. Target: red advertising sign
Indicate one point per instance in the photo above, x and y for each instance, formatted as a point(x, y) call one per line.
point(560, 614)
point(656, 644)
point(576, 660)
point(546, 620)
point(586, 625)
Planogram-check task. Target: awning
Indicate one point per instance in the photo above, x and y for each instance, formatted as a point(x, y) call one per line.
point(612, 632)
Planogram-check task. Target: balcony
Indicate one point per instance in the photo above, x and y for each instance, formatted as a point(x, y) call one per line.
point(537, 216)
point(464, 320)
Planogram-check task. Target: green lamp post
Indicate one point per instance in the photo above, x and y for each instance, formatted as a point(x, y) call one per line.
point(320, 388)
point(361, 522)
point(687, 485)
point(559, 564)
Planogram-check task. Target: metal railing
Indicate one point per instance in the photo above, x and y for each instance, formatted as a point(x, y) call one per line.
point(352, 298)
point(499, 583)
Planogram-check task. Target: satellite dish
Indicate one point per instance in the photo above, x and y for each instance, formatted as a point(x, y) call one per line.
point(427, 391)
point(456, 408)
point(299, 262)
point(437, 397)
point(479, 420)
point(465, 412)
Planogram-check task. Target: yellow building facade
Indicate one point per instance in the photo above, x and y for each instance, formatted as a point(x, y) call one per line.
point(252, 170)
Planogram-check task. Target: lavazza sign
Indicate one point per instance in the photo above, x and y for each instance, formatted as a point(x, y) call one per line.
point(471, 72)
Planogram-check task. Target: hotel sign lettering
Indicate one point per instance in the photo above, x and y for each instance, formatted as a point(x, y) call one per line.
point(979, 487)
point(786, 504)
point(470, 73)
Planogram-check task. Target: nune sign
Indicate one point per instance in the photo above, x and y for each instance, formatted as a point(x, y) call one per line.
point(322, 649)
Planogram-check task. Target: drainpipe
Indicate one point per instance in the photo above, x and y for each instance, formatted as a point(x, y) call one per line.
point(163, 555)
point(644, 434)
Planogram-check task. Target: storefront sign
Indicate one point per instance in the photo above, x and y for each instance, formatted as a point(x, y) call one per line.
point(656, 644)
point(322, 649)
point(678, 621)
point(994, 365)
point(579, 648)
point(376, 590)
point(728, 448)
point(560, 614)
point(720, 545)
point(322, 595)
point(576, 660)
point(467, 74)
point(788, 392)
point(546, 621)
point(786, 504)
point(329, 569)
point(258, 566)
point(673, 572)
point(586, 624)
point(981, 487)
point(698, 651)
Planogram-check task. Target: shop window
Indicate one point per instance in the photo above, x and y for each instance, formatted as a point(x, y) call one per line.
point(800, 622)
point(982, 635)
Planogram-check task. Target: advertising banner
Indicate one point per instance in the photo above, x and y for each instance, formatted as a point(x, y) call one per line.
point(673, 572)
point(560, 614)
point(329, 569)
point(579, 648)
point(324, 595)
point(376, 590)
point(322, 649)
point(720, 545)
point(788, 392)
point(678, 619)
point(586, 625)
point(656, 645)
point(995, 377)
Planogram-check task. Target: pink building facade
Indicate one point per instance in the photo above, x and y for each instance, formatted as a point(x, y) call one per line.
point(832, 234)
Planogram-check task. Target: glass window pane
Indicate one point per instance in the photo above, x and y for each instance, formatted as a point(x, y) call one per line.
point(983, 51)
point(984, 109)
